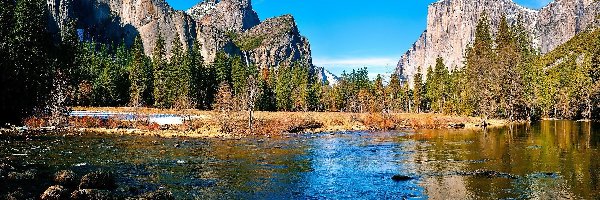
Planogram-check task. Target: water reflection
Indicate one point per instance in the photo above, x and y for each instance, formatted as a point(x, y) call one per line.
point(552, 159)
point(547, 160)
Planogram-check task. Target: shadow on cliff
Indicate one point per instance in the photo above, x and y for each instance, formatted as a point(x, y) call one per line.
point(100, 24)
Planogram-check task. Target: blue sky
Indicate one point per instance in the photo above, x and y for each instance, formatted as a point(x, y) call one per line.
point(350, 34)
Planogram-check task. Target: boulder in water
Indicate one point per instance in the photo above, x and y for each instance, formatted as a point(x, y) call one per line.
point(55, 192)
point(16, 195)
point(399, 177)
point(91, 194)
point(158, 195)
point(28, 175)
point(98, 180)
point(66, 178)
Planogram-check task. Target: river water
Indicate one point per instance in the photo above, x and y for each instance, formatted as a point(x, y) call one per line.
point(546, 160)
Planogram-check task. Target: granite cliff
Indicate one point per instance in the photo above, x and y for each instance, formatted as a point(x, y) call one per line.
point(212, 23)
point(451, 27)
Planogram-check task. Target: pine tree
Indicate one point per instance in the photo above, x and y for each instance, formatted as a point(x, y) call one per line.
point(393, 91)
point(509, 88)
point(70, 48)
point(284, 89)
point(315, 96)
point(300, 83)
point(30, 71)
point(222, 66)
point(438, 90)
point(429, 90)
point(480, 58)
point(202, 83)
point(160, 73)
point(7, 106)
point(380, 102)
point(418, 91)
point(180, 77)
point(239, 75)
point(140, 75)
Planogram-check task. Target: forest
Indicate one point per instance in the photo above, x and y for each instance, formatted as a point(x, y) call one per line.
point(503, 77)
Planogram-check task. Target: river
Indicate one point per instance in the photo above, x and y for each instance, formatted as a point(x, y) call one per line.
point(545, 160)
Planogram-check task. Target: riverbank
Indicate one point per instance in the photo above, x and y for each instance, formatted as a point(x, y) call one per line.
point(198, 124)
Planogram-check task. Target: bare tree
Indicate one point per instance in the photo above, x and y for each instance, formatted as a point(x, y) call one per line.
point(253, 93)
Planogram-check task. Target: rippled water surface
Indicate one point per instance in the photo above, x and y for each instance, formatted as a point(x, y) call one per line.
point(547, 160)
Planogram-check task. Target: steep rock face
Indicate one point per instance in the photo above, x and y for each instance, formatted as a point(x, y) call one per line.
point(326, 76)
point(214, 27)
point(281, 43)
point(212, 23)
point(116, 20)
point(560, 20)
point(451, 27)
point(203, 8)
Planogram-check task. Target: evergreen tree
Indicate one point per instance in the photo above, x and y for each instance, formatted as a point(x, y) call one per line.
point(222, 65)
point(159, 63)
point(438, 86)
point(300, 83)
point(203, 85)
point(315, 94)
point(429, 89)
point(284, 89)
point(418, 91)
point(239, 75)
point(510, 88)
point(180, 75)
point(394, 91)
point(267, 101)
point(29, 72)
point(480, 58)
point(70, 48)
point(7, 75)
point(140, 75)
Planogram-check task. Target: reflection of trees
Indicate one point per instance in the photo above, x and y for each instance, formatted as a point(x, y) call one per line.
point(561, 147)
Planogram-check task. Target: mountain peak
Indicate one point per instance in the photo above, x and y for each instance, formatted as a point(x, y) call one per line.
point(451, 27)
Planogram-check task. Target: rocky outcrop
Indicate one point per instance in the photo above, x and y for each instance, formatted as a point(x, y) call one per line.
point(113, 21)
point(212, 23)
point(203, 8)
point(280, 43)
point(451, 27)
point(216, 26)
point(326, 76)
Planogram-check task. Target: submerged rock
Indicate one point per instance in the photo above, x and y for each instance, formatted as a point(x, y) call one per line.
point(16, 195)
point(158, 195)
point(98, 180)
point(5, 169)
point(491, 174)
point(55, 192)
point(66, 178)
point(398, 177)
point(91, 194)
point(457, 126)
point(28, 175)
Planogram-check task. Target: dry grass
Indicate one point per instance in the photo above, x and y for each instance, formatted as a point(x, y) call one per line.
point(210, 124)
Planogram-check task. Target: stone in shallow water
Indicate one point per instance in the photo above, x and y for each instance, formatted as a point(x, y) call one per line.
point(158, 195)
point(66, 178)
point(98, 180)
point(91, 194)
point(398, 177)
point(55, 192)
